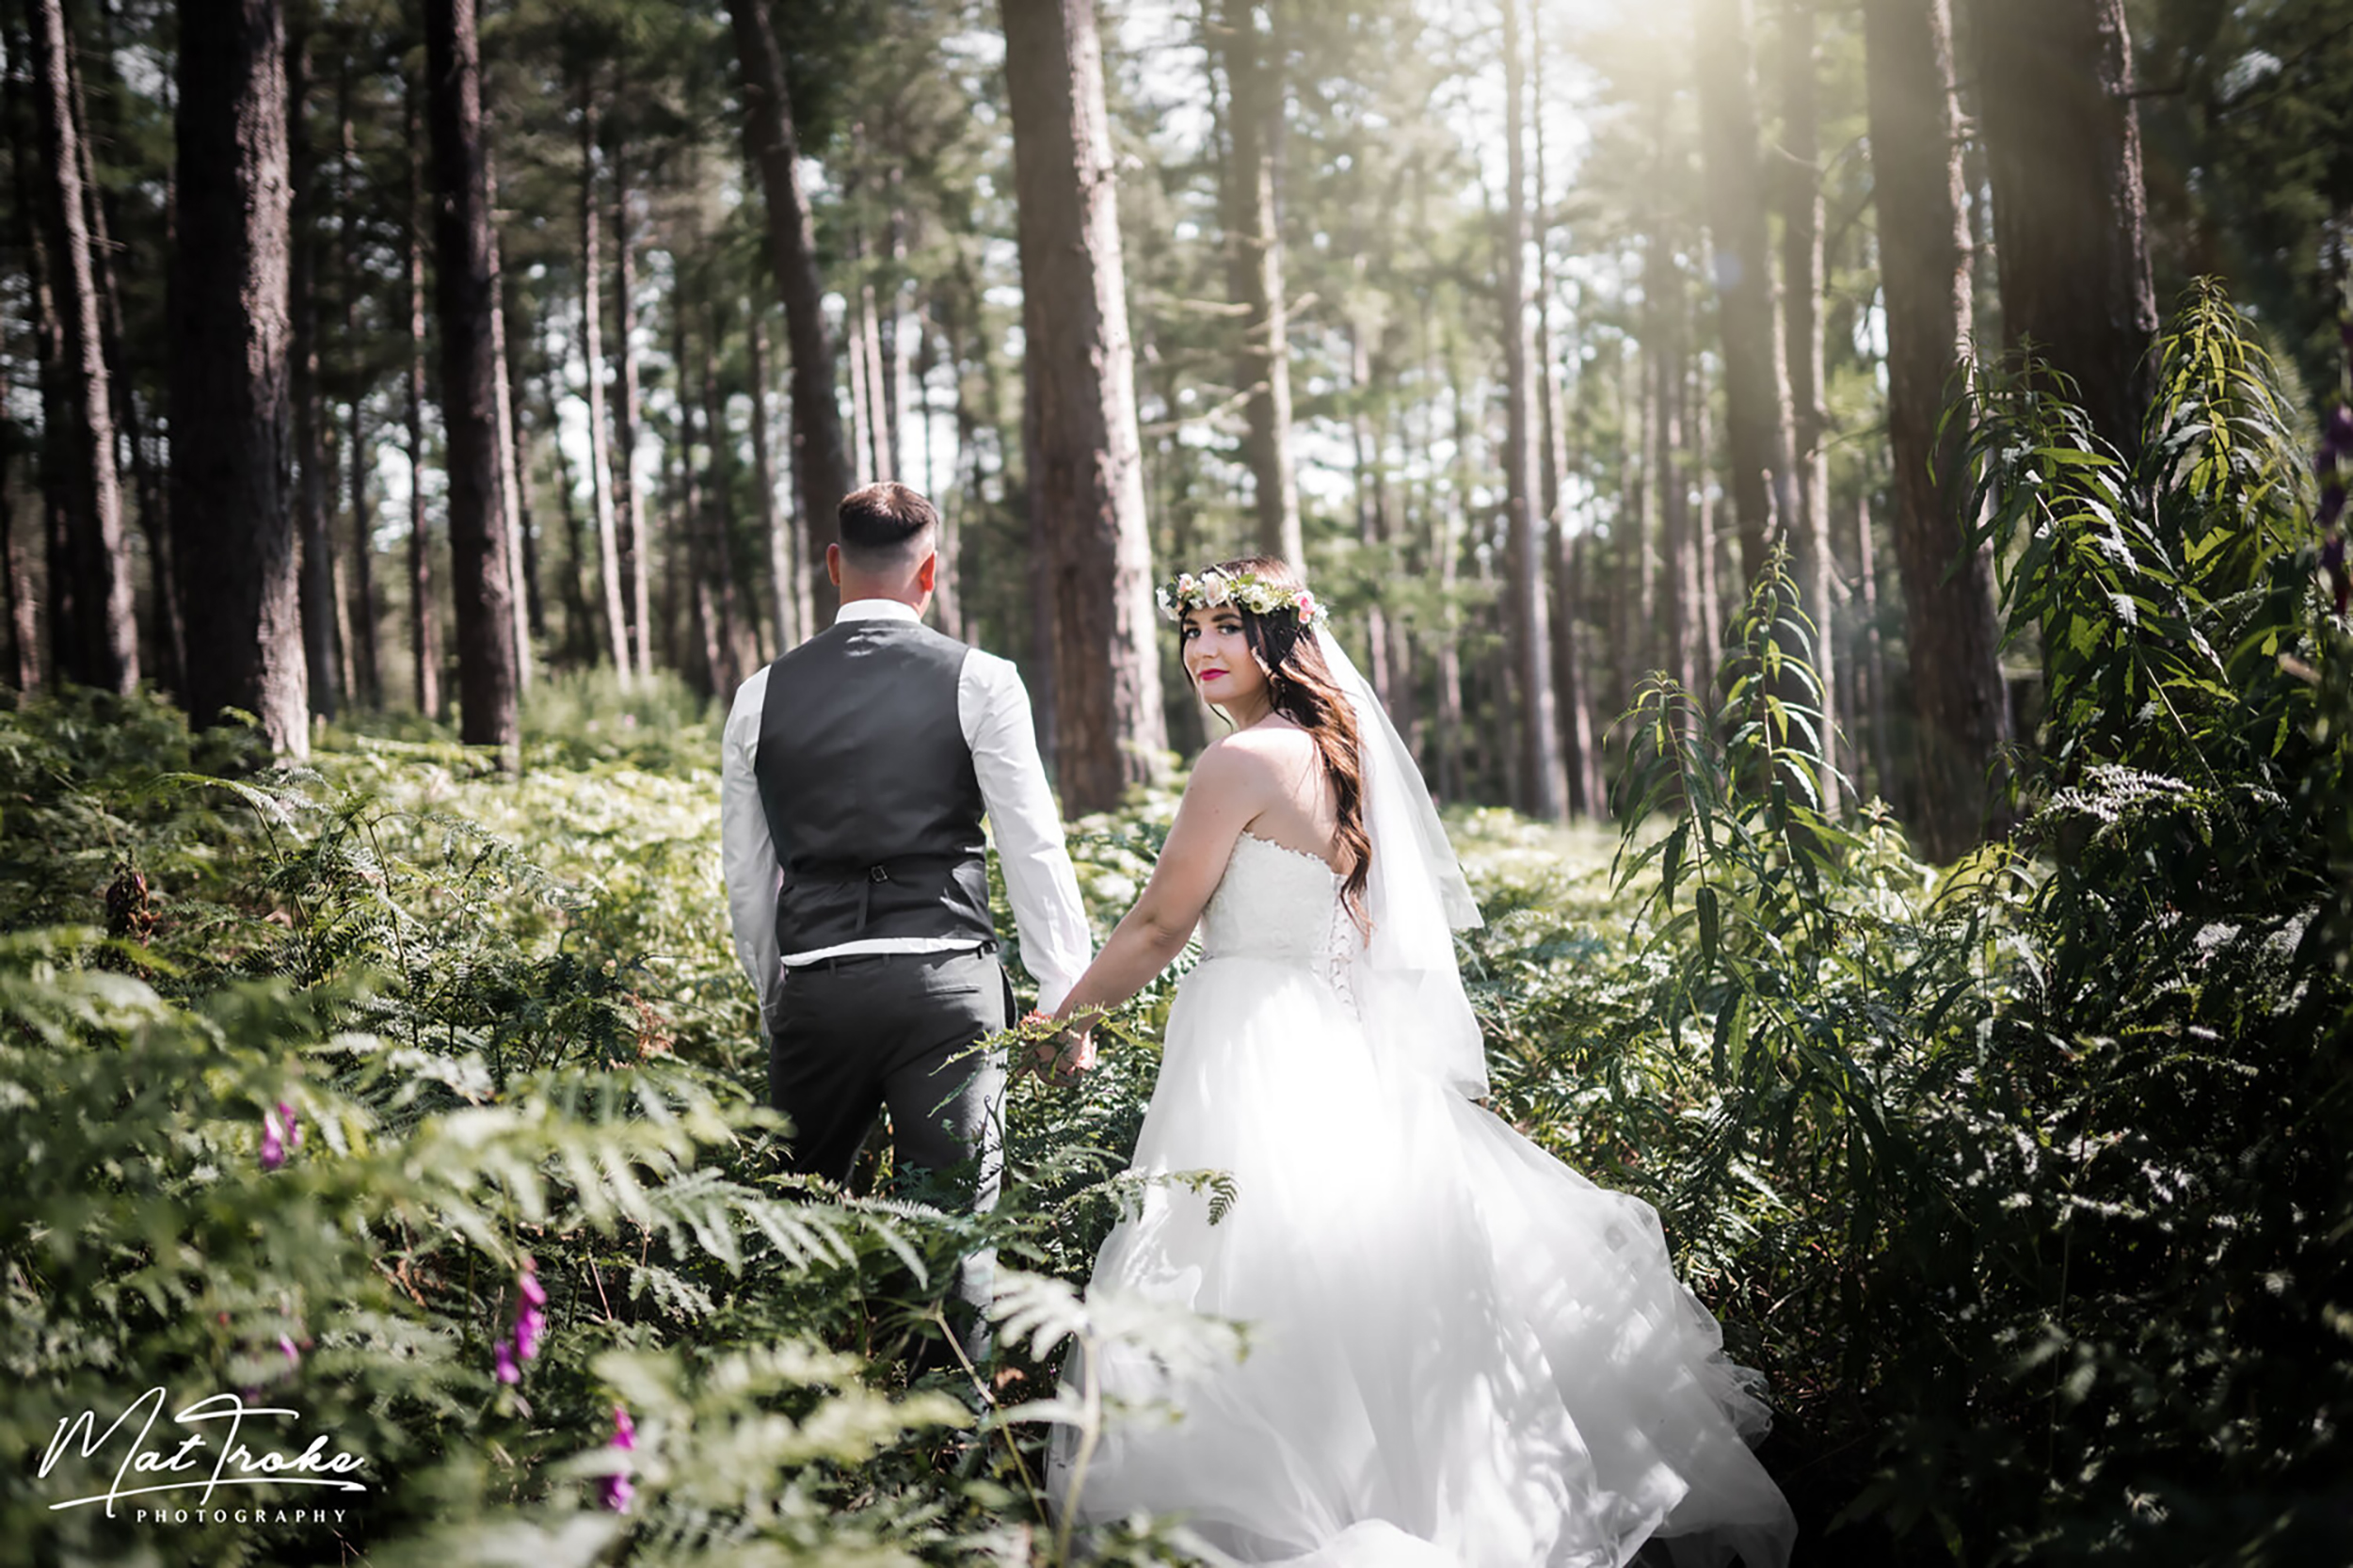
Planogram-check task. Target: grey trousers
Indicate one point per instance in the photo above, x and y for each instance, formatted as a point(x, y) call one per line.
point(855, 1034)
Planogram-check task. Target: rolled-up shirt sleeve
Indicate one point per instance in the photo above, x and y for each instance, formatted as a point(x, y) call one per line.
point(747, 851)
point(994, 708)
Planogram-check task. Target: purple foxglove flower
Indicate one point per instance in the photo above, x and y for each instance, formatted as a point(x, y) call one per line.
point(533, 1291)
point(293, 1355)
point(273, 1142)
point(502, 1362)
point(531, 1325)
point(293, 1124)
point(617, 1492)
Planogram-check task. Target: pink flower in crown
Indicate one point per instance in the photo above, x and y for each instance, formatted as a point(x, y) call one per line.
point(1214, 590)
point(1305, 602)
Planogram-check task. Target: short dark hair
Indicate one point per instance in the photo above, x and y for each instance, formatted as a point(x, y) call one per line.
point(883, 524)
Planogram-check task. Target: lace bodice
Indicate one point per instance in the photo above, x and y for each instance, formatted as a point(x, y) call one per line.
point(1280, 906)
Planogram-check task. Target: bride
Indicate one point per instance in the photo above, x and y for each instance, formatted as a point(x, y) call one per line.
point(1461, 1351)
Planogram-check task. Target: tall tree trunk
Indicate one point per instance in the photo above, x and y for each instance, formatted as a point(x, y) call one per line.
point(1448, 528)
point(864, 470)
point(1708, 547)
point(630, 517)
point(322, 654)
point(1542, 781)
point(1086, 472)
point(1629, 534)
point(882, 431)
point(706, 610)
point(366, 664)
point(1756, 387)
point(106, 651)
point(424, 627)
point(1666, 345)
point(1873, 703)
point(1924, 259)
point(468, 308)
point(947, 591)
point(819, 462)
point(580, 629)
point(602, 472)
point(2062, 146)
point(786, 586)
point(60, 620)
point(737, 640)
point(1802, 286)
point(1254, 76)
point(232, 536)
point(514, 328)
point(169, 637)
point(1568, 676)
point(22, 667)
point(510, 512)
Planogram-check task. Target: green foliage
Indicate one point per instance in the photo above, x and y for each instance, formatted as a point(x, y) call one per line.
point(2025, 1182)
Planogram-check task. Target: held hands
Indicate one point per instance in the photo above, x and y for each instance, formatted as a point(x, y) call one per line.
point(1063, 1057)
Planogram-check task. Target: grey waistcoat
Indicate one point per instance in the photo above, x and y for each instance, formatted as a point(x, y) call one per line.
point(869, 791)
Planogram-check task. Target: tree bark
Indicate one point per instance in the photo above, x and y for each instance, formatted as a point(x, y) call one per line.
point(819, 462)
point(1708, 547)
point(232, 536)
point(468, 311)
point(1666, 345)
point(59, 619)
point(22, 669)
point(106, 651)
point(631, 522)
point(2069, 212)
point(602, 472)
point(513, 329)
point(787, 587)
point(169, 635)
point(1924, 258)
point(580, 633)
point(1447, 527)
point(510, 511)
point(1802, 285)
point(1756, 388)
point(737, 640)
point(1086, 474)
point(366, 664)
point(1568, 673)
point(322, 655)
point(424, 629)
point(1542, 780)
point(1254, 76)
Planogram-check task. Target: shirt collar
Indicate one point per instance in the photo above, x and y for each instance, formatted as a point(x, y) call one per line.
point(876, 609)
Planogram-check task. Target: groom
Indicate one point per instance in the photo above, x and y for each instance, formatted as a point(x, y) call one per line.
point(854, 773)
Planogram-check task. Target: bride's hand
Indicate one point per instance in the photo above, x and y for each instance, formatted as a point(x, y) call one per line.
point(1062, 1058)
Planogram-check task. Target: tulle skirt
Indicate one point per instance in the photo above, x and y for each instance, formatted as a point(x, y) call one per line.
point(1461, 1353)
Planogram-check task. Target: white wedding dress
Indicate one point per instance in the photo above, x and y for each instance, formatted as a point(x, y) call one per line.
point(1461, 1351)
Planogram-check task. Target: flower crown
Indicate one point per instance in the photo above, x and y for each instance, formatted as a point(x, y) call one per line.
point(1258, 594)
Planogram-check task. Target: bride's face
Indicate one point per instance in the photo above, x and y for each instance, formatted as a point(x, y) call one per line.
point(1218, 657)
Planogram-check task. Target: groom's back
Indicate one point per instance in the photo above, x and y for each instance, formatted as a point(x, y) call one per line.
point(868, 786)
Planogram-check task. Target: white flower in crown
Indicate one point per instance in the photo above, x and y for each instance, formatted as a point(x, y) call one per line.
point(1168, 606)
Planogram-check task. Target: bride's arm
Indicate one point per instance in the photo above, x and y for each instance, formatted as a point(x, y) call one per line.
point(1231, 785)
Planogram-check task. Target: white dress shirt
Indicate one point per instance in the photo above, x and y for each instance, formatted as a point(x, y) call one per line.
point(993, 707)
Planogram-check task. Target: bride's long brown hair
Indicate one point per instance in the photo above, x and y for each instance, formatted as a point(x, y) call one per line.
point(1300, 684)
